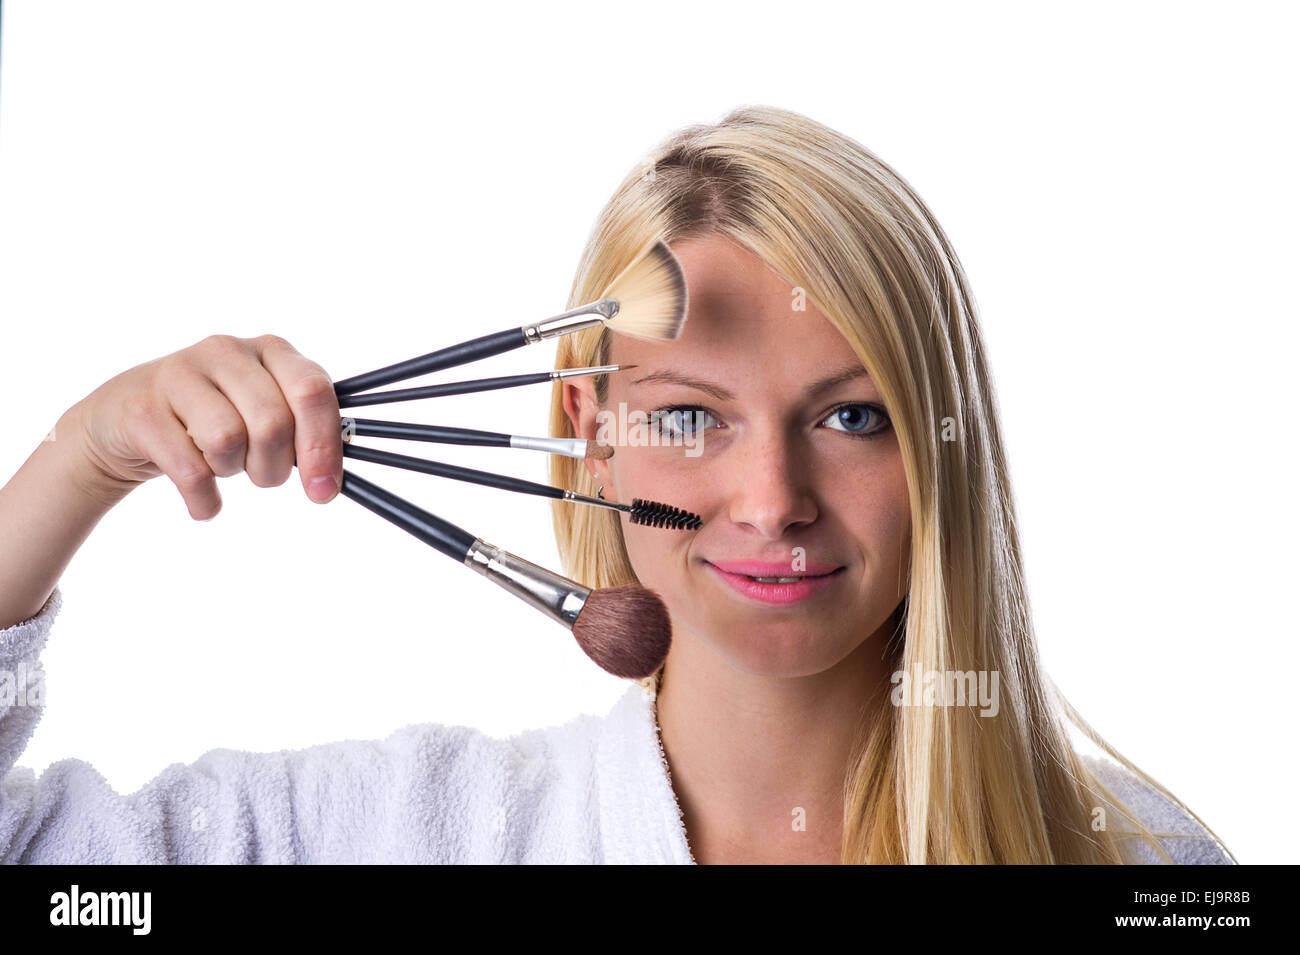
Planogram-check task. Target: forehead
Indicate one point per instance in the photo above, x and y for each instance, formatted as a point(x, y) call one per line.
point(741, 313)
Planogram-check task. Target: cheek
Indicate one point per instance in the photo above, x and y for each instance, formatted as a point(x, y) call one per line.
point(884, 527)
point(660, 475)
point(655, 474)
point(888, 518)
point(870, 503)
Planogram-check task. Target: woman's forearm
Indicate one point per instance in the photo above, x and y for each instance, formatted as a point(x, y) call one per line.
point(47, 510)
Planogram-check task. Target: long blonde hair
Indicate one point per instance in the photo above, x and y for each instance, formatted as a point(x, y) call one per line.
point(928, 784)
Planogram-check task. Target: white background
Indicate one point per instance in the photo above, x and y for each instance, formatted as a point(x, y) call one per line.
point(376, 180)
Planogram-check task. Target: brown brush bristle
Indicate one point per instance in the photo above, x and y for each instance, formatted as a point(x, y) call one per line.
point(651, 295)
point(625, 630)
point(599, 452)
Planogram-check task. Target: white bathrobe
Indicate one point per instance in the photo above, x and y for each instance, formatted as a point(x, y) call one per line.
point(593, 790)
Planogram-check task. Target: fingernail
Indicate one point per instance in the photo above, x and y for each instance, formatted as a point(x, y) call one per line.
point(321, 489)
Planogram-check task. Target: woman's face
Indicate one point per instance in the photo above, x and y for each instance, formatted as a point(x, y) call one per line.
point(770, 429)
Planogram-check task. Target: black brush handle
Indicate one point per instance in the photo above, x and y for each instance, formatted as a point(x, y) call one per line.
point(440, 391)
point(367, 427)
point(502, 481)
point(433, 530)
point(461, 354)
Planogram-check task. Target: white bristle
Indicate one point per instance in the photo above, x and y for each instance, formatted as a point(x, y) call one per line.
point(651, 295)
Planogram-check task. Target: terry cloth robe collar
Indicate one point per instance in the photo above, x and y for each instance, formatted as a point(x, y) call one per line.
point(640, 819)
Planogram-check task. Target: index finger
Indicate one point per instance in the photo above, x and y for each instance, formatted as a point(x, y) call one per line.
point(309, 392)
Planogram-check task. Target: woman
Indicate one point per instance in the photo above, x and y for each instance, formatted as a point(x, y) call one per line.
point(808, 260)
point(829, 414)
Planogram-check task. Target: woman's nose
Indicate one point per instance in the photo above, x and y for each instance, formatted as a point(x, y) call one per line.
point(771, 486)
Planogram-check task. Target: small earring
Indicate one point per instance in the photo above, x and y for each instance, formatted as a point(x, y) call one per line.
point(600, 493)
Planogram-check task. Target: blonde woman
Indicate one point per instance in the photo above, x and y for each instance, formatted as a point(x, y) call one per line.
point(832, 386)
point(853, 675)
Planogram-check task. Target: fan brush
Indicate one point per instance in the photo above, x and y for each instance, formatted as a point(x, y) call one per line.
point(647, 300)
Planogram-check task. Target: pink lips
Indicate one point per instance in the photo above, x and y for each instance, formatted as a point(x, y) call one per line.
point(740, 573)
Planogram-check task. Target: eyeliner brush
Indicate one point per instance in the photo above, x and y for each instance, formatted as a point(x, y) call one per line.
point(647, 299)
point(624, 630)
point(569, 447)
point(477, 384)
point(649, 513)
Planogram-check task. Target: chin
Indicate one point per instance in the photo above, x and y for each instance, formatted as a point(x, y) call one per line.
point(776, 651)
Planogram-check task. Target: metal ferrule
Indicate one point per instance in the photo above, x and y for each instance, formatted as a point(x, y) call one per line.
point(569, 447)
point(598, 501)
point(558, 597)
point(559, 374)
point(574, 320)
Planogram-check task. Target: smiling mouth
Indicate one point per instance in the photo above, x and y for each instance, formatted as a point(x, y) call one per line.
point(788, 580)
point(739, 569)
point(774, 589)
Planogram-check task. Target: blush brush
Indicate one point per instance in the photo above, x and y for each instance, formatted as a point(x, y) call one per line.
point(647, 299)
point(626, 631)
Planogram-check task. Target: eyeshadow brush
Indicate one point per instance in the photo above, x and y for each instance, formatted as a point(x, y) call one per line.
point(569, 447)
point(474, 385)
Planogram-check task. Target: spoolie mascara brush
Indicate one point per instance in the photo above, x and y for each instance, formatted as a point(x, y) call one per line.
point(624, 630)
point(647, 299)
point(649, 513)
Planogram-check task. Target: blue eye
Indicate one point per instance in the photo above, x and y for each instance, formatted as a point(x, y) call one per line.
point(679, 420)
point(855, 419)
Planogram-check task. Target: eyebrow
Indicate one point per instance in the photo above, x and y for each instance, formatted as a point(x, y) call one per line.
point(851, 373)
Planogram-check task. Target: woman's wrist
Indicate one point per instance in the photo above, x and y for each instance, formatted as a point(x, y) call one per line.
point(47, 510)
point(80, 465)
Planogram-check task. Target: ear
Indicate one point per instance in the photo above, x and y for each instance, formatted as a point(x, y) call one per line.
point(579, 398)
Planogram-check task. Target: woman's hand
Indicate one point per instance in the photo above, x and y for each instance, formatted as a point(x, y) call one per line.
point(212, 410)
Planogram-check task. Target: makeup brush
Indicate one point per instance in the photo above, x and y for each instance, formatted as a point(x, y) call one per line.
point(625, 630)
point(569, 447)
point(477, 384)
point(649, 513)
point(647, 299)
